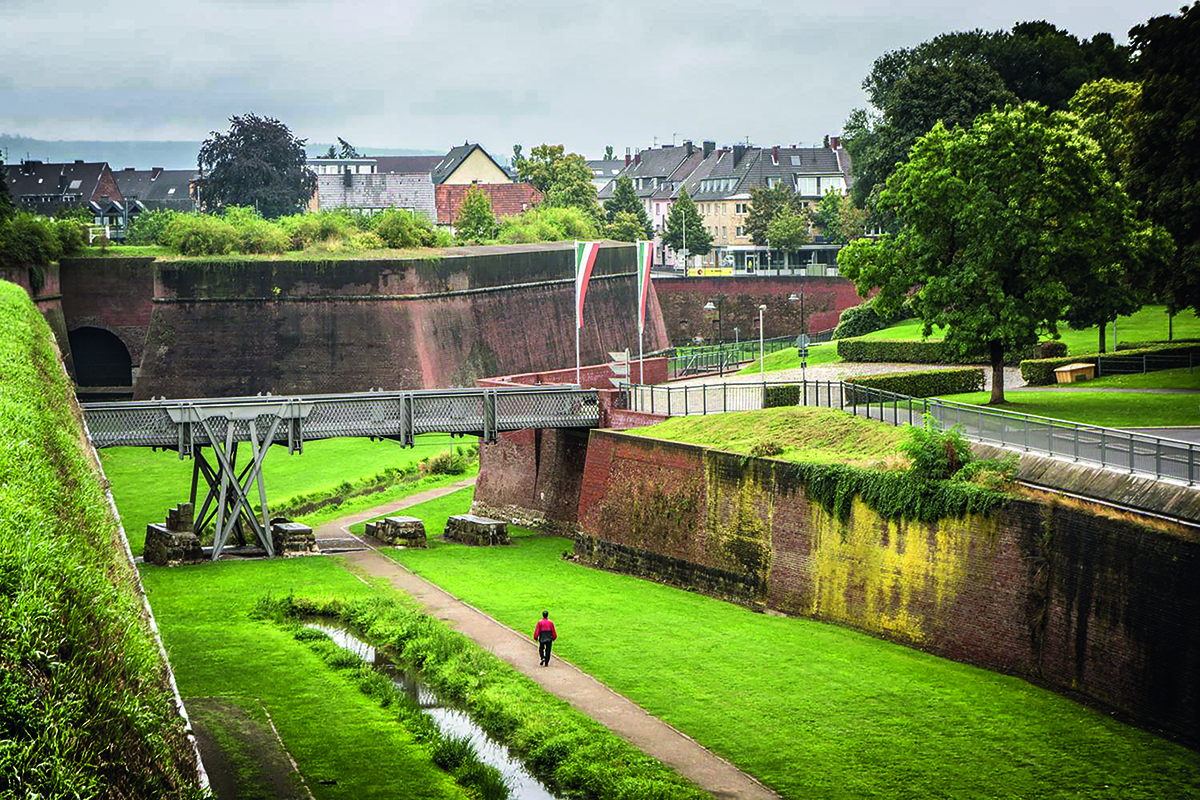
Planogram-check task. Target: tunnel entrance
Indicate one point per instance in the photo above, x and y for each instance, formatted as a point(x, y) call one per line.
point(101, 358)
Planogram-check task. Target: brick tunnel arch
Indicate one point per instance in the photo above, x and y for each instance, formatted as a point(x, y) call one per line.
point(101, 358)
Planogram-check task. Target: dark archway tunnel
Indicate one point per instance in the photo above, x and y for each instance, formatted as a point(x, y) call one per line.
point(101, 358)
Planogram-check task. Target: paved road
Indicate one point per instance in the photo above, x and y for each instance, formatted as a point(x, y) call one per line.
point(843, 370)
point(588, 695)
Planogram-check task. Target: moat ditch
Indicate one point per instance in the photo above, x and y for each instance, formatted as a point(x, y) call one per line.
point(452, 721)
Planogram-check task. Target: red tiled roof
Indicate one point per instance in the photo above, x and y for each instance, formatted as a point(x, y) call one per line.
point(508, 199)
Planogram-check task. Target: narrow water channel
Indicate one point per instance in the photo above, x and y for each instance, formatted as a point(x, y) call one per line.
point(450, 721)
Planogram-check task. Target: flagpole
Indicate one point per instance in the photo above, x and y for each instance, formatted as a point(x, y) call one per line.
point(578, 379)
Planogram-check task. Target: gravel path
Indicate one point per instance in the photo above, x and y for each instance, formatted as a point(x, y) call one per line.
point(847, 369)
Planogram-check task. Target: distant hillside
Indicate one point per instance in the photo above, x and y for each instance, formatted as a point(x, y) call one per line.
point(143, 155)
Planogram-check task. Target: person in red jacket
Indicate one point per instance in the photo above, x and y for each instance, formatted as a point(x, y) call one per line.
point(545, 635)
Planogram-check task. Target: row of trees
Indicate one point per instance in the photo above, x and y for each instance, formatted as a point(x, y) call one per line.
point(1007, 218)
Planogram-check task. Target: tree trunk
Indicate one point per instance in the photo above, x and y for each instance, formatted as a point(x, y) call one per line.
point(997, 353)
point(1170, 325)
point(1103, 327)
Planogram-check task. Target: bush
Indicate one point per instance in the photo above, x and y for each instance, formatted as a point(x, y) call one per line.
point(784, 395)
point(935, 454)
point(148, 227)
point(1147, 345)
point(199, 235)
point(399, 228)
point(925, 383)
point(863, 319)
point(547, 225)
point(767, 448)
point(1040, 372)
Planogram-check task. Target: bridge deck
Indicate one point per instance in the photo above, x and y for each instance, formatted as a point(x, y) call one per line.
point(186, 424)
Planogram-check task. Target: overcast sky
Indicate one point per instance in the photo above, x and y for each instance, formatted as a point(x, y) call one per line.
point(433, 73)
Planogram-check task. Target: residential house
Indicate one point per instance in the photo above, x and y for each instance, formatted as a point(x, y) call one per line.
point(48, 188)
point(721, 189)
point(157, 189)
point(605, 170)
point(468, 163)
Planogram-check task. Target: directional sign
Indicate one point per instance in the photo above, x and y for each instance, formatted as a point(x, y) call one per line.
point(619, 364)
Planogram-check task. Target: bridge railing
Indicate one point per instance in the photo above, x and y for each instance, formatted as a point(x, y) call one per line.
point(185, 424)
point(1127, 451)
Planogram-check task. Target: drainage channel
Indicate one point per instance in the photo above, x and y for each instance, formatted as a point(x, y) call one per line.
point(450, 721)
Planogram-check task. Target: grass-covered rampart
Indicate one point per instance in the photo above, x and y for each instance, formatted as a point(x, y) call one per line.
point(85, 711)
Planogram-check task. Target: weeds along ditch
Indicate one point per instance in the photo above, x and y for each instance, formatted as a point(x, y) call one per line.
point(472, 710)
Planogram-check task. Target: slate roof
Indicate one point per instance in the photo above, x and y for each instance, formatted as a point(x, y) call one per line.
point(406, 163)
point(36, 179)
point(721, 165)
point(758, 164)
point(454, 159)
point(606, 168)
point(662, 163)
point(158, 188)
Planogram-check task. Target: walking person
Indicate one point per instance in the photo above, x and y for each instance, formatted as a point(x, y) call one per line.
point(545, 635)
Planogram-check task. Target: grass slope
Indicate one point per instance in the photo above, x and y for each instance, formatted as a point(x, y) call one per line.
point(332, 730)
point(805, 434)
point(1110, 409)
point(146, 483)
point(1147, 325)
point(818, 355)
point(84, 706)
point(813, 710)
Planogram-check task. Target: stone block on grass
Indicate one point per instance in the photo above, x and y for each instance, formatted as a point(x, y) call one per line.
point(293, 539)
point(400, 531)
point(475, 530)
point(173, 542)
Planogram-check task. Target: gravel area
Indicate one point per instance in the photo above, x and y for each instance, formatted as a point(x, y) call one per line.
point(843, 370)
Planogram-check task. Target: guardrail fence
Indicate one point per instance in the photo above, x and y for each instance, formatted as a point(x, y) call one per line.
point(1123, 450)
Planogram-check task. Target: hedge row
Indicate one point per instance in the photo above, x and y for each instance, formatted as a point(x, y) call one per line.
point(784, 395)
point(1040, 372)
point(909, 351)
point(925, 383)
point(1144, 345)
point(85, 710)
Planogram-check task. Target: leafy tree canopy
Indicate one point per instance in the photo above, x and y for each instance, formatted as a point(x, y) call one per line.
point(788, 231)
point(625, 227)
point(346, 150)
point(608, 152)
point(1164, 160)
point(1105, 109)
point(764, 205)
point(956, 76)
point(257, 163)
point(1002, 224)
point(7, 209)
point(838, 219)
point(626, 201)
point(563, 179)
point(476, 223)
point(684, 227)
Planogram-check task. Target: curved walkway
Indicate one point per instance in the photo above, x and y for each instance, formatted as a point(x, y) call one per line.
point(588, 695)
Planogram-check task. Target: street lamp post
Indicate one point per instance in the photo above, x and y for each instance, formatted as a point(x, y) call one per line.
point(762, 355)
point(802, 341)
point(718, 307)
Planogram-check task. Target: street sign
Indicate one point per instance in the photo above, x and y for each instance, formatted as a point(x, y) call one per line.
point(619, 365)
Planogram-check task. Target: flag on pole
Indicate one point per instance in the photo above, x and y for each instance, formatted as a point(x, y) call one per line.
point(645, 252)
point(585, 260)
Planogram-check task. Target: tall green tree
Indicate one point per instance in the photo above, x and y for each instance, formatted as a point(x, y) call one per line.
point(788, 231)
point(517, 157)
point(7, 209)
point(956, 76)
point(346, 150)
point(839, 221)
point(625, 201)
point(256, 163)
point(1164, 153)
point(1000, 224)
point(608, 152)
point(685, 228)
point(476, 222)
point(764, 205)
point(564, 179)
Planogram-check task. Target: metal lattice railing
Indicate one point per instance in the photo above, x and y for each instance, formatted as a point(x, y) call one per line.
point(1128, 451)
point(185, 424)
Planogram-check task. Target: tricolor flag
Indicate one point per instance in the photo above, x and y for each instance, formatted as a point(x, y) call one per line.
point(645, 253)
point(585, 260)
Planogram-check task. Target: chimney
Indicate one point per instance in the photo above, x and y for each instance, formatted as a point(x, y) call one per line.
point(708, 148)
point(739, 150)
point(835, 142)
point(687, 146)
point(637, 158)
point(628, 157)
point(155, 172)
point(775, 154)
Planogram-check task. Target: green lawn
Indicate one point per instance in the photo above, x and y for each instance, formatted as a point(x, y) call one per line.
point(802, 434)
point(1110, 409)
point(1147, 325)
point(145, 483)
point(813, 710)
point(818, 355)
point(332, 730)
point(1182, 378)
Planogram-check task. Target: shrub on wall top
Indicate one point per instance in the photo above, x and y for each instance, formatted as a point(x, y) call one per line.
point(925, 383)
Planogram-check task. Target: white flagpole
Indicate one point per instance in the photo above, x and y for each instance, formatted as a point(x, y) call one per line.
point(578, 378)
point(641, 319)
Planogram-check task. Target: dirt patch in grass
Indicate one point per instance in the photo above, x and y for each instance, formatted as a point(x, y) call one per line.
point(242, 753)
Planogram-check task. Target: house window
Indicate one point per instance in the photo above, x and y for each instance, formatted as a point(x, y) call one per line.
point(741, 231)
point(806, 185)
point(772, 182)
point(795, 161)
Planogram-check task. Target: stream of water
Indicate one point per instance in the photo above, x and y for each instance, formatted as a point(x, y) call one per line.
point(450, 721)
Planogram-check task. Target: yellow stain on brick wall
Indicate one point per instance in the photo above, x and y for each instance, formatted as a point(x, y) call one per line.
point(859, 578)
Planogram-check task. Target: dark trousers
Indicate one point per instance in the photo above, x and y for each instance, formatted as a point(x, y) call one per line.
point(544, 649)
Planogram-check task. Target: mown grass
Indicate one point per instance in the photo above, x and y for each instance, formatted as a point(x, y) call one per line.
point(146, 483)
point(794, 433)
point(1147, 325)
point(433, 512)
point(811, 709)
point(818, 355)
point(1183, 378)
point(85, 710)
point(1110, 409)
point(334, 731)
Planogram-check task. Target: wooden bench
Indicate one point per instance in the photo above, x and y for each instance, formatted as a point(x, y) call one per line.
point(475, 530)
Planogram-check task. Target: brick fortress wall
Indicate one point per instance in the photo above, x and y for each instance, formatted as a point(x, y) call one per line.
point(1051, 593)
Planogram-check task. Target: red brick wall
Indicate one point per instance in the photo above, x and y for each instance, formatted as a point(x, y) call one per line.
point(1055, 594)
point(682, 302)
point(591, 376)
point(115, 295)
point(508, 199)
